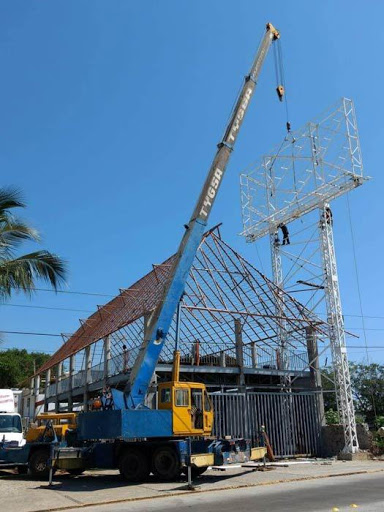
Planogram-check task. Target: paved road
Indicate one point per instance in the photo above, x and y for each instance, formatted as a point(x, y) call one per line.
point(363, 493)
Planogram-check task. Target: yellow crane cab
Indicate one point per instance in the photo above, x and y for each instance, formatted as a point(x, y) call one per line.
point(61, 423)
point(192, 411)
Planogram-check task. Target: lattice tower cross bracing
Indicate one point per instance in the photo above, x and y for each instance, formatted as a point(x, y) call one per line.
point(311, 167)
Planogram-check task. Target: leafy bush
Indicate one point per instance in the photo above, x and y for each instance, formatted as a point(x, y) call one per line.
point(332, 417)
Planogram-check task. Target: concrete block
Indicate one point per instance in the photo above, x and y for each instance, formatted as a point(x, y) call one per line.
point(355, 456)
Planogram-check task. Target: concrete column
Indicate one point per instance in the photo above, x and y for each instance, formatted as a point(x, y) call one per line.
point(36, 392)
point(107, 358)
point(223, 362)
point(58, 380)
point(315, 376)
point(88, 366)
point(47, 384)
point(239, 350)
point(196, 353)
point(70, 389)
point(254, 354)
point(37, 386)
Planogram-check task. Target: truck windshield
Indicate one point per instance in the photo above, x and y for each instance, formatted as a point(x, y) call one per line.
point(9, 423)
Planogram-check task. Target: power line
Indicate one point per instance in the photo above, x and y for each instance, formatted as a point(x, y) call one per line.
point(61, 308)
point(71, 292)
point(364, 329)
point(48, 307)
point(31, 333)
point(357, 278)
point(35, 350)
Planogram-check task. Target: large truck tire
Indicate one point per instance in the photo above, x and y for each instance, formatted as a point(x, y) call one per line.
point(134, 465)
point(38, 463)
point(166, 463)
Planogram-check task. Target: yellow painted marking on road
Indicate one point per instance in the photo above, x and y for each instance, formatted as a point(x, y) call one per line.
point(353, 505)
point(335, 509)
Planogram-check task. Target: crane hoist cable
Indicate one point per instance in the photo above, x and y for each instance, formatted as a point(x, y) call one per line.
point(280, 80)
point(282, 93)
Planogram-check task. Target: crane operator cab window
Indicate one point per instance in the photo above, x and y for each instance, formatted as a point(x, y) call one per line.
point(197, 408)
point(165, 397)
point(182, 397)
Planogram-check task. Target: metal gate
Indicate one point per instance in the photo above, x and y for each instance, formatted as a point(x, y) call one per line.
point(290, 419)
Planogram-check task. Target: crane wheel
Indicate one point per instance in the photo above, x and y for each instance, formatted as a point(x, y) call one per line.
point(38, 463)
point(166, 463)
point(134, 466)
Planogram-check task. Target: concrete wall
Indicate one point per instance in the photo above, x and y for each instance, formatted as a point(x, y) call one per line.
point(333, 439)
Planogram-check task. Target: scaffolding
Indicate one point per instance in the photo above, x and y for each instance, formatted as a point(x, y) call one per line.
point(295, 183)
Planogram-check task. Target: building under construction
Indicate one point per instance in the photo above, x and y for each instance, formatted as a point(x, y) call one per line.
point(254, 345)
point(229, 338)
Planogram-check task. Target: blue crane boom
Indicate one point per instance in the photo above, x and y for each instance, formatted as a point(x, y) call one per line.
point(161, 317)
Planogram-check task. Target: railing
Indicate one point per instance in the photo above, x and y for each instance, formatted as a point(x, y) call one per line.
point(63, 385)
point(51, 390)
point(122, 363)
point(78, 379)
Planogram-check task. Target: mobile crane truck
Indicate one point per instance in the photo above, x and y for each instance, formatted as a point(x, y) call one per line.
point(178, 434)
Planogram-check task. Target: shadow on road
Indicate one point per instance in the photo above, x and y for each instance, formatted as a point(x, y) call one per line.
point(94, 481)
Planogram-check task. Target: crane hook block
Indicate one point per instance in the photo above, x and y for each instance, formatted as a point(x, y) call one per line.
point(280, 92)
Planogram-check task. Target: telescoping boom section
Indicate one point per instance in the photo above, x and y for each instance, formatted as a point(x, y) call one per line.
point(161, 318)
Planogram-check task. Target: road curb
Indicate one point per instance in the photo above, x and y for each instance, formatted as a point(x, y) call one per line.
point(231, 488)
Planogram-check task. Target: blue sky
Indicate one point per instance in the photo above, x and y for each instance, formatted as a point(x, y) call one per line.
point(110, 113)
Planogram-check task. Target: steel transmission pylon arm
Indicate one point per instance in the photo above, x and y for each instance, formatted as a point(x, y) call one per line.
point(161, 317)
point(336, 333)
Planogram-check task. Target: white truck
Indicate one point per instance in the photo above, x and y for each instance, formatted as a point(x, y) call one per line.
point(11, 429)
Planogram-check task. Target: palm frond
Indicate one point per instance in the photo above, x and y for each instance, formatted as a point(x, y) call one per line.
point(12, 233)
point(21, 273)
point(10, 197)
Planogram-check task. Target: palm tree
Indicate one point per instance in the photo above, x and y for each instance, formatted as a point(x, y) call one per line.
point(20, 273)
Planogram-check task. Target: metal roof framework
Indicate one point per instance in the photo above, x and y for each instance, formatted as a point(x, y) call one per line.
point(222, 286)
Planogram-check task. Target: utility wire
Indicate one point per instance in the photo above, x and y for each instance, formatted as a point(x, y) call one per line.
point(32, 333)
point(47, 307)
point(357, 272)
point(59, 308)
point(70, 292)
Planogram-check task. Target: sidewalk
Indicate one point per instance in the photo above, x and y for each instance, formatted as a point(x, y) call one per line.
point(22, 494)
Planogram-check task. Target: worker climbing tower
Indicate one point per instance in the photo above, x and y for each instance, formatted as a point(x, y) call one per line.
point(289, 195)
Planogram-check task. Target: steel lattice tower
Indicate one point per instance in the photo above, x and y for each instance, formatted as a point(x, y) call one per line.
point(337, 334)
point(313, 166)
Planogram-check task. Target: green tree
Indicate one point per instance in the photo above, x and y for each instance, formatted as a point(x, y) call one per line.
point(17, 365)
point(367, 388)
point(327, 377)
point(20, 272)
